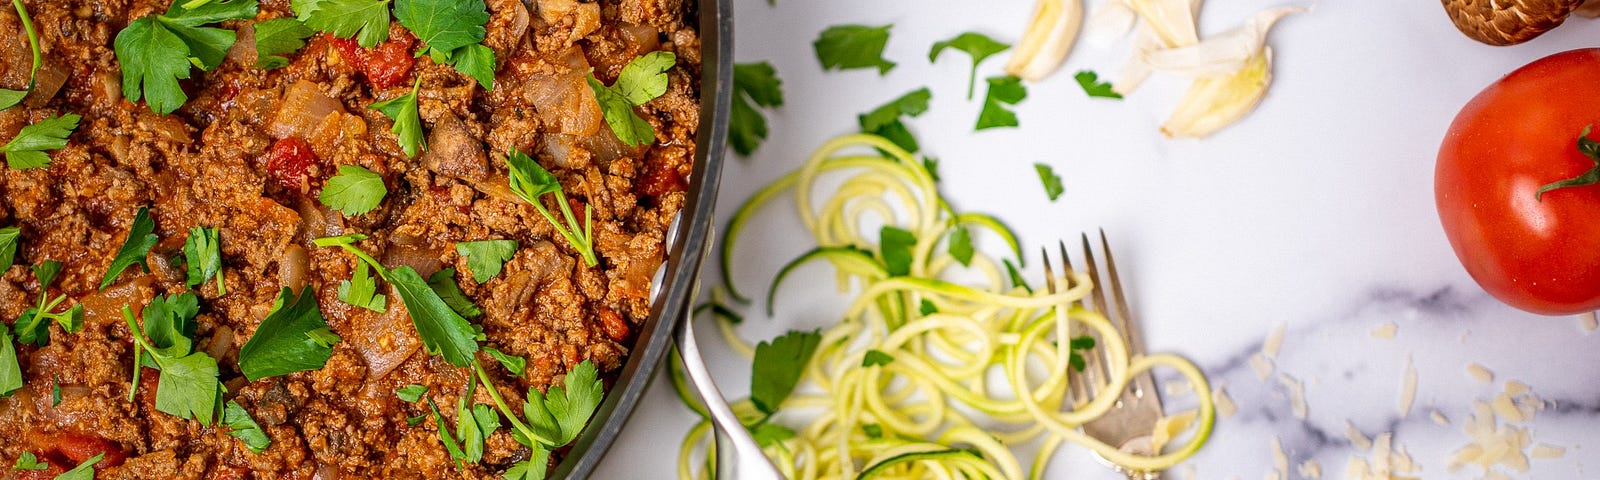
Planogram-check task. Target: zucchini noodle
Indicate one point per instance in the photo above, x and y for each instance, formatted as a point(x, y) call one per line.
point(939, 409)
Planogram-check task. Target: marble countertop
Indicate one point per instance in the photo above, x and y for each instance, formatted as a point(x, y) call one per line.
point(1315, 213)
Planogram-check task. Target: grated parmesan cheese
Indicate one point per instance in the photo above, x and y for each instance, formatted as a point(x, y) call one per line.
point(1280, 460)
point(1589, 323)
point(1386, 330)
point(1408, 388)
point(1481, 373)
point(1311, 469)
point(1262, 366)
point(1225, 406)
point(1545, 450)
point(1439, 418)
point(1297, 395)
point(1274, 341)
point(1356, 438)
point(1177, 388)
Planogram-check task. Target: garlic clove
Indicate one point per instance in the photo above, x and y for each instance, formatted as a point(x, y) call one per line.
point(1049, 37)
point(1110, 22)
point(1217, 101)
point(1173, 21)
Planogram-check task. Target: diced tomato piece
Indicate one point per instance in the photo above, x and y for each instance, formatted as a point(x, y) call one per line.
point(229, 473)
point(385, 65)
point(614, 325)
point(658, 181)
point(289, 163)
point(79, 447)
point(349, 51)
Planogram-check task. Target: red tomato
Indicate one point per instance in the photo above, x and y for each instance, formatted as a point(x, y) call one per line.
point(1539, 255)
point(385, 64)
point(289, 162)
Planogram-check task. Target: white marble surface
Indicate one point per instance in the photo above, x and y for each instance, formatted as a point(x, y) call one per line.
point(1315, 212)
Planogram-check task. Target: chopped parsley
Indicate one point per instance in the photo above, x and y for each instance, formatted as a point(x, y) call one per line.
point(366, 20)
point(476, 61)
point(84, 471)
point(453, 31)
point(845, 47)
point(932, 166)
point(1084, 343)
point(442, 330)
point(1051, 181)
point(1094, 87)
point(361, 290)
point(10, 367)
point(243, 427)
point(872, 430)
point(354, 190)
point(277, 37)
point(140, 239)
point(777, 368)
point(1003, 91)
point(927, 308)
point(977, 45)
point(285, 341)
point(202, 251)
point(189, 388)
point(1016, 276)
point(514, 364)
point(27, 149)
point(767, 434)
point(10, 98)
point(961, 245)
point(885, 122)
point(156, 51)
point(34, 330)
point(875, 358)
point(443, 283)
point(641, 81)
point(27, 461)
point(474, 424)
point(8, 247)
point(754, 84)
point(407, 121)
point(55, 391)
point(895, 246)
point(486, 257)
point(570, 404)
point(531, 181)
point(411, 393)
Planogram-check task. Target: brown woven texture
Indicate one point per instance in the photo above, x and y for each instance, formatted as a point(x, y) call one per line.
point(1508, 22)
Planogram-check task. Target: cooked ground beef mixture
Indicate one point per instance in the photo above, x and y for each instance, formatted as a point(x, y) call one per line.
point(250, 153)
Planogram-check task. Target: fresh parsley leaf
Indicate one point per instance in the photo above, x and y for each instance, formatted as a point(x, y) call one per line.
point(417, 420)
point(27, 461)
point(777, 368)
point(932, 166)
point(876, 358)
point(84, 471)
point(361, 290)
point(514, 364)
point(534, 468)
point(927, 308)
point(189, 387)
point(476, 61)
point(277, 37)
point(641, 81)
point(961, 245)
point(443, 283)
point(449, 441)
point(1016, 276)
point(169, 323)
point(55, 391)
point(1052, 182)
point(977, 45)
point(407, 122)
point(873, 430)
point(366, 20)
point(243, 427)
point(282, 343)
point(46, 272)
point(10, 367)
point(1003, 91)
point(156, 51)
point(10, 98)
point(467, 425)
point(31, 327)
point(354, 191)
point(485, 258)
point(885, 122)
point(844, 47)
point(574, 401)
point(441, 329)
point(754, 84)
point(530, 181)
point(1082, 342)
point(443, 25)
point(411, 393)
point(8, 247)
point(768, 434)
point(202, 251)
point(140, 239)
point(895, 245)
point(27, 149)
point(1094, 87)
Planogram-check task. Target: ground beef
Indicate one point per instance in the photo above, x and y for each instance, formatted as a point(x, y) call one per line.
point(226, 160)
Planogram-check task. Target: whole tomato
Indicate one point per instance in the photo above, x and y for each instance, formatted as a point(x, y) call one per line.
point(1539, 253)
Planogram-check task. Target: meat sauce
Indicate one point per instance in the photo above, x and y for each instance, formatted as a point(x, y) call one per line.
point(250, 152)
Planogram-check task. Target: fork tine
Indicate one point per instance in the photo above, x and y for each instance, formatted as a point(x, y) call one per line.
point(1049, 273)
point(1077, 385)
point(1130, 328)
point(1097, 292)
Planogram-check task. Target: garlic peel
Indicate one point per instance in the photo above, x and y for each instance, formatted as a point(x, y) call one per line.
point(1051, 32)
point(1223, 53)
point(1109, 22)
point(1173, 21)
point(1218, 101)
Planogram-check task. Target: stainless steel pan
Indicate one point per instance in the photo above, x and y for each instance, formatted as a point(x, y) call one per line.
point(687, 241)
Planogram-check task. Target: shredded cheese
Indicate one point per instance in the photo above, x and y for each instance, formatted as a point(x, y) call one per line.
point(1262, 366)
point(1588, 320)
point(1225, 406)
point(1408, 388)
point(1545, 450)
point(1439, 418)
point(1386, 330)
point(1481, 373)
point(1274, 341)
point(1357, 439)
point(1297, 395)
point(1311, 469)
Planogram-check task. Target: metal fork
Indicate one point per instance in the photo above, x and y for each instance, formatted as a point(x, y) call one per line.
point(737, 455)
point(1132, 419)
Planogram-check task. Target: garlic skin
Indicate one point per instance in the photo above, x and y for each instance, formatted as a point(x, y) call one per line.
point(1224, 53)
point(1217, 101)
point(1173, 21)
point(1110, 22)
point(1048, 39)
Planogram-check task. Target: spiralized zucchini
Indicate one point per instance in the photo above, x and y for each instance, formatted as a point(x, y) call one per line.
point(933, 411)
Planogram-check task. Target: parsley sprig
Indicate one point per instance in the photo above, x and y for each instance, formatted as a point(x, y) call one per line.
point(202, 251)
point(293, 338)
point(530, 181)
point(10, 367)
point(443, 331)
point(140, 238)
point(754, 84)
point(885, 121)
point(641, 81)
point(486, 257)
point(361, 290)
point(8, 247)
point(1004, 91)
point(156, 51)
point(366, 20)
point(407, 120)
point(10, 98)
point(845, 47)
point(453, 32)
point(31, 327)
point(189, 387)
point(354, 190)
point(1051, 181)
point(1093, 87)
point(27, 149)
point(977, 45)
point(277, 37)
point(244, 427)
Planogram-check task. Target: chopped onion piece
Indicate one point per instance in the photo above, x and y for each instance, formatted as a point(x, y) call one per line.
point(1218, 101)
point(1048, 39)
point(1221, 54)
